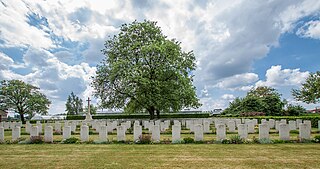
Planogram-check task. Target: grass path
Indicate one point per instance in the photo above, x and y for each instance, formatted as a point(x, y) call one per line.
point(160, 156)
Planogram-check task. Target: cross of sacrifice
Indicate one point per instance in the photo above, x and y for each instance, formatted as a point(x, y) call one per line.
point(88, 104)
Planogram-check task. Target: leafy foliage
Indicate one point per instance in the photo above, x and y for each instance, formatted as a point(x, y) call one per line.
point(93, 109)
point(188, 140)
point(294, 110)
point(261, 99)
point(310, 91)
point(74, 105)
point(71, 140)
point(23, 98)
point(144, 71)
point(144, 139)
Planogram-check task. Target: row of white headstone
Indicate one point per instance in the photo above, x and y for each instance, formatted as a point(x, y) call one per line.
point(155, 128)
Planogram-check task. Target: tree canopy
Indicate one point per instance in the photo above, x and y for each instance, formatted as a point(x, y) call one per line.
point(145, 71)
point(310, 90)
point(74, 105)
point(23, 98)
point(261, 99)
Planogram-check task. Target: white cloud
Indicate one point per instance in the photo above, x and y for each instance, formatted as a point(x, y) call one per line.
point(5, 61)
point(16, 31)
point(275, 77)
point(310, 29)
point(228, 97)
point(227, 37)
point(238, 82)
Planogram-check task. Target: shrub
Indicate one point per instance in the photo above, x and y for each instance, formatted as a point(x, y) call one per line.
point(36, 140)
point(235, 139)
point(144, 139)
point(178, 142)
point(100, 142)
point(265, 141)
point(316, 139)
point(71, 140)
point(226, 141)
point(188, 140)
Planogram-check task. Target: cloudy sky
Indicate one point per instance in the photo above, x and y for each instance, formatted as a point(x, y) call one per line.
point(238, 44)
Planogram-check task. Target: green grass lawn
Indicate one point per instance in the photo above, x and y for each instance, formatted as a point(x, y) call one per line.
point(160, 156)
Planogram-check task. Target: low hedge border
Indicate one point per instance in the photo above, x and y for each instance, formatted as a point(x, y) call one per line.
point(139, 116)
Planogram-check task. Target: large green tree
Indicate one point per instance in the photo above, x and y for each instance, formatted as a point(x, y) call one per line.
point(145, 71)
point(74, 105)
point(310, 90)
point(23, 98)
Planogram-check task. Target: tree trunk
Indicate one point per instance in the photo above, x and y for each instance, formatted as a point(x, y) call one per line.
point(158, 114)
point(151, 112)
point(22, 118)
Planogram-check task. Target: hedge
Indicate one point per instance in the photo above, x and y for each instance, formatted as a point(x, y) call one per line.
point(139, 116)
point(314, 119)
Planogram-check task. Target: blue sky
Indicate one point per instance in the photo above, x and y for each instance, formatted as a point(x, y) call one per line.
point(242, 44)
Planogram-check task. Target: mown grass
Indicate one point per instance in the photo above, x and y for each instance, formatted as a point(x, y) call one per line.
point(160, 156)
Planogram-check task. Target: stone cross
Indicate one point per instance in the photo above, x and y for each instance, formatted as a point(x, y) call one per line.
point(88, 104)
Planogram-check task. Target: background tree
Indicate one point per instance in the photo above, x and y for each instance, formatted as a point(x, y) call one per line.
point(270, 98)
point(310, 91)
point(23, 98)
point(143, 70)
point(93, 109)
point(261, 99)
point(74, 105)
point(294, 110)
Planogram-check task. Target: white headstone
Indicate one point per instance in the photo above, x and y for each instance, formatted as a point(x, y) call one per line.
point(292, 125)
point(277, 125)
point(39, 127)
point(84, 133)
point(176, 129)
point(66, 132)
point(48, 134)
point(121, 133)
point(284, 132)
point(151, 125)
point(304, 131)
point(73, 126)
point(28, 127)
point(57, 127)
point(298, 122)
point(16, 133)
point(198, 132)
point(156, 133)
point(243, 131)
point(103, 133)
point(264, 131)
point(34, 131)
point(1, 134)
point(231, 126)
point(238, 121)
point(137, 132)
point(221, 132)
point(255, 121)
point(308, 122)
point(206, 126)
point(250, 126)
point(272, 123)
point(6, 125)
point(162, 127)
